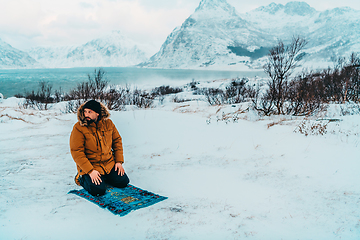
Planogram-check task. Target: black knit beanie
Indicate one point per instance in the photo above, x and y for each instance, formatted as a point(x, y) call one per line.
point(93, 105)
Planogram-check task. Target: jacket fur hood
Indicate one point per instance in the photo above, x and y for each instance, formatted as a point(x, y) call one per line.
point(81, 116)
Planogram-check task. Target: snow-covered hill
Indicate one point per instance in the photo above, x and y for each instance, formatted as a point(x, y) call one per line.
point(113, 50)
point(227, 173)
point(11, 58)
point(216, 35)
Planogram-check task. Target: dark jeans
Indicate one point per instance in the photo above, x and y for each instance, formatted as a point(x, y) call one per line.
point(112, 179)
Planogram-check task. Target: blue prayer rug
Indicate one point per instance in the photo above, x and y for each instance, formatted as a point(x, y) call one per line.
point(121, 201)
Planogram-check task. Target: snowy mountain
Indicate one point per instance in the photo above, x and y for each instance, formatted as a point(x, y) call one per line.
point(11, 58)
point(331, 33)
point(204, 38)
point(113, 50)
point(216, 35)
point(337, 33)
point(283, 21)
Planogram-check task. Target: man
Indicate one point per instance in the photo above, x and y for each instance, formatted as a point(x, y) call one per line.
point(96, 147)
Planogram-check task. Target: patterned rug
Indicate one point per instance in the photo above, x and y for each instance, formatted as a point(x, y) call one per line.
point(121, 201)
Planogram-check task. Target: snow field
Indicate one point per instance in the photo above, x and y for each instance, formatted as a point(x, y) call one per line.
point(255, 178)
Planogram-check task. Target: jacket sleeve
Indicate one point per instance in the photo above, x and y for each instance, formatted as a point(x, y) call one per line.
point(77, 148)
point(117, 145)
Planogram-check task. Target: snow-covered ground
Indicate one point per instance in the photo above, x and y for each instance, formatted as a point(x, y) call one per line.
point(247, 177)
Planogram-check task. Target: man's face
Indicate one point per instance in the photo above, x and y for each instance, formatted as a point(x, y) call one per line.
point(90, 115)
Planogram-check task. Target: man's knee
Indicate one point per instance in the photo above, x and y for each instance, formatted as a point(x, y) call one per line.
point(97, 190)
point(120, 181)
point(93, 189)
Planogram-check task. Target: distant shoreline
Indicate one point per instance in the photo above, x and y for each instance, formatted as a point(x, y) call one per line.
point(14, 81)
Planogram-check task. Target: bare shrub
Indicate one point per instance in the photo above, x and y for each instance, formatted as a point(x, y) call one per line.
point(307, 127)
point(281, 61)
point(214, 96)
point(97, 88)
point(352, 70)
point(176, 99)
point(307, 93)
point(162, 91)
point(233, 116)
point(72, 106)
point(99, 84)
point(236, 91)
point(94, 88)
point(303, 96)
point(115, 99)
point(59, 95)
point(192, 85)
point(82, 91)
point(341, 83)
point(347, 76)
point(141, 99)
point(350, 108)
point(264, 103)
point(165, 90)
point(41, 99)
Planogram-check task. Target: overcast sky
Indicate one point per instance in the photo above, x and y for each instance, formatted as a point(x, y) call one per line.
point(28, 23)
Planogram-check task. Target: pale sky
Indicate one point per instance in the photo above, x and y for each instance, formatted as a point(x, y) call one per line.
point(29, 23)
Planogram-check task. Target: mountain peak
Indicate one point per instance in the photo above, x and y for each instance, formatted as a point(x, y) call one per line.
point(298, 8)
point(272, 8)
point(291, 8)
point(215, 5)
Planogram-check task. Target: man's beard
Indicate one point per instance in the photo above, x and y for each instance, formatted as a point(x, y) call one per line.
point(89, 120)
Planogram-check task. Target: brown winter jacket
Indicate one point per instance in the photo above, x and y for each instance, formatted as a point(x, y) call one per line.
point(95, 146)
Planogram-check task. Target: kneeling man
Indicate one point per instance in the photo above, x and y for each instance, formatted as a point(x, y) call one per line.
point(96, 147)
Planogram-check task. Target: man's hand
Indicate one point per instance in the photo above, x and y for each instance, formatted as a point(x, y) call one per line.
point(95, 177)
point(120, 169)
